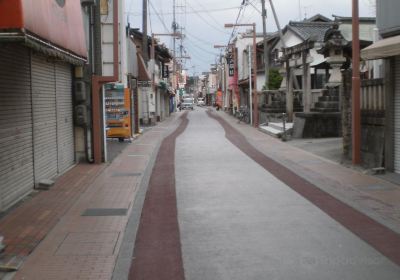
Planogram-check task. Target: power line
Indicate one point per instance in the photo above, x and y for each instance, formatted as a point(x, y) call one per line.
point(209, 24)
point(250, 17)
point(192, 12)
point(159, 17)
point(242, 7)
point(255, 7)
point(196, 54)
point(199, 39)
point(204, 50)
point(208, 14)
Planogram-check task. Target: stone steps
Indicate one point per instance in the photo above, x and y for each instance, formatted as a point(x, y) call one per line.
point(328, 98)
point(327, 104)
point(325, 110)
point(276, 129)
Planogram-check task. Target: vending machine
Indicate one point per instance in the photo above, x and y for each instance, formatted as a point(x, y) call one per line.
point(118, 114)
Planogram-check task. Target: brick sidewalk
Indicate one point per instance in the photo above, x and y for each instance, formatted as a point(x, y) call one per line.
point(370, 195)
point(26, 225)
point(74, 230)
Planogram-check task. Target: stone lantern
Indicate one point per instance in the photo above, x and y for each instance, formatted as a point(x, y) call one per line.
point(333, 50)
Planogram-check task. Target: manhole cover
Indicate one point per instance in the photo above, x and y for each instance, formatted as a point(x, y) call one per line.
point(126, 174)
point(98, 212)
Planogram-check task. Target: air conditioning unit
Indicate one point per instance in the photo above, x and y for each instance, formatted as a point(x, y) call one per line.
point(81, 116)
point(80, 91)
point(86, 3)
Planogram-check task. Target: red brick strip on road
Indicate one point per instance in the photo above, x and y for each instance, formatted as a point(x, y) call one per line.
point(157, 253)
point(383, 239)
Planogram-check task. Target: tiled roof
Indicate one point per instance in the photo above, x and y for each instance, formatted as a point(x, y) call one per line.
point(310, 30)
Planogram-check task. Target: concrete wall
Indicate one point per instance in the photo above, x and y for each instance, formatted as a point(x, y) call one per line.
point(387, 14)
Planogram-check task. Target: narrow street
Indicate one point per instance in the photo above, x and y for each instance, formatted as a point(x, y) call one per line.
point(199, 140)
point(203, 197)
point(236, 220)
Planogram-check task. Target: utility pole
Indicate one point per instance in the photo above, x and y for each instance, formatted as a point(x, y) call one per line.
point(266, 56)
point(277, 23)
point(174, 44)
point(356, 114)
point(250, 86)
point(145, 43)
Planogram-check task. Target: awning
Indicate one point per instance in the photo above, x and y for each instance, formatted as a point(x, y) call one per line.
point(46, 48)
point(382, 49)
point(143, 74)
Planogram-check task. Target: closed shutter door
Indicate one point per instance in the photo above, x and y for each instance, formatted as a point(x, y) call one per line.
point(65, 128)
point(44, 119)
point(397, 116)
point(16, 149)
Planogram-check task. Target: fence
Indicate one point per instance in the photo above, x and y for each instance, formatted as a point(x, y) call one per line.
point(372, 95)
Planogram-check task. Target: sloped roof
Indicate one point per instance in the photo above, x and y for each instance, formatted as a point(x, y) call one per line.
point(310, 30)
point(350, 19)
point(318, 18)
point(143, 74)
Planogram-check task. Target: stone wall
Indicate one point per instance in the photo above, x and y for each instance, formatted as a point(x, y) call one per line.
point(372, 128)
point(345, 100)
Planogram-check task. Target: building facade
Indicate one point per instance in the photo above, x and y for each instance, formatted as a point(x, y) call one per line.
point(37, 63)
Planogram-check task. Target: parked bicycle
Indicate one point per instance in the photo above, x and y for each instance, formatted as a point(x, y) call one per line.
point(243, 114)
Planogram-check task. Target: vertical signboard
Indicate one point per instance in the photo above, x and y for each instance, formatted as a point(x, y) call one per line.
point(231, 66)
point(165, 71)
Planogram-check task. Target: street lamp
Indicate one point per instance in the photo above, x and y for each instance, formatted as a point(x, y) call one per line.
point(255, 99)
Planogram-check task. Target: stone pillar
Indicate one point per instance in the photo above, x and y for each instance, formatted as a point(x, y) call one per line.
point(306, 83)
point(389, 112)
point(345, 96)
point(289, 93)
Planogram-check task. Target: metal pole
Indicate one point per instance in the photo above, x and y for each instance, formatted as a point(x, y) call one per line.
point(356, 114)
point(145, 43)
point(255, 76)
point(174, 46)
point(266, 56)
point(250, 88)
point(277, 23)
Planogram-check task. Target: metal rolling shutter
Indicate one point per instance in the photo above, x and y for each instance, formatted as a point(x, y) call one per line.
point(44, 119)
point(397, 115)
point(16, 150)
point(65, 128)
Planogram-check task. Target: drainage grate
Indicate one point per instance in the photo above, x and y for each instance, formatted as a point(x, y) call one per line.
point(98, 212)
point(126, 174)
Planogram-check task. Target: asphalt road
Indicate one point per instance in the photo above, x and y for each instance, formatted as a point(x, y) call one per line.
point(238, 221)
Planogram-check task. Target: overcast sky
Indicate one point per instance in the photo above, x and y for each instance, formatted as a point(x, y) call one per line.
point(203, 21)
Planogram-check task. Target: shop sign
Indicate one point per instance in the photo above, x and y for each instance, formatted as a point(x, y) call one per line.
point(165, 71)
point(144, 83)
point(231, 65)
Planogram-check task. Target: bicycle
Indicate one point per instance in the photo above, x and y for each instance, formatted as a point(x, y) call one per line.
point(243, 115)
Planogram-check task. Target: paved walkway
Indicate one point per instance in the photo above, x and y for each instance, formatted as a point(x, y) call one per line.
point(80, 222)
point(371, 195)
point(239, 221)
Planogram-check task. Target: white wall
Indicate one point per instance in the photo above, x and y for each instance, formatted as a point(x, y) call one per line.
point(290, 39)
point(132, 62)
point(241, 45)
point(107, 43)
